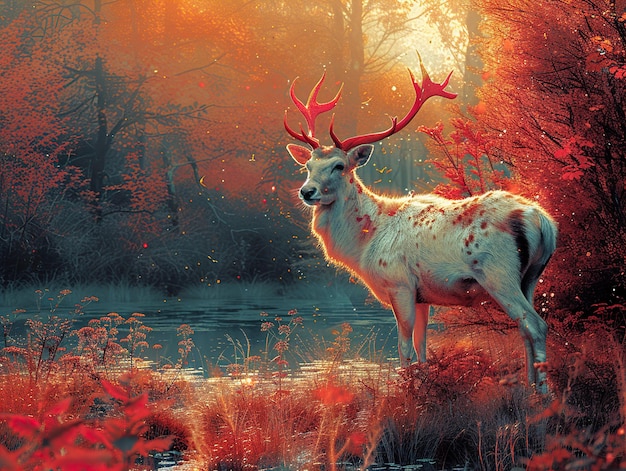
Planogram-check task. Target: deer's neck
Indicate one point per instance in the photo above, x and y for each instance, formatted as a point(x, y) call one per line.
point(347, 226)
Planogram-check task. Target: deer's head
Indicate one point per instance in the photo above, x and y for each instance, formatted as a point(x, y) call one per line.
point(330, 167)
point(327, 169)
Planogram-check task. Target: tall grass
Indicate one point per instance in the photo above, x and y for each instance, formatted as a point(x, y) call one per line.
point(75, 398)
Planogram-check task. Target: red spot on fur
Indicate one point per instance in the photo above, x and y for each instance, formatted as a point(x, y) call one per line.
point(483, 225)
point(475, 262)
point(469, 240)
point(390, 208)
point(466, 218)
point(367, 227)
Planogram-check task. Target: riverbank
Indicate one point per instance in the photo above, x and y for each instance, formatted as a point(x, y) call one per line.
point(70, 392)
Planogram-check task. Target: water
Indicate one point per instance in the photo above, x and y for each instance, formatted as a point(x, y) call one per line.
point(225, 330)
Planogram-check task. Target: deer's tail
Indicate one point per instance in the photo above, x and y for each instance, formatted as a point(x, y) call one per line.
point(544, 232)
point(549, 234)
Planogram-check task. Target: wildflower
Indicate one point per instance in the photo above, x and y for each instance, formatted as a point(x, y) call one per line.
point(281, 346)
point(185, 330)
point(15, 350)
point(65, 292)
point(297, 320)
point(264, 314)
point(292, 312)
point(284, 329)
point(265, 326)
point(71, 361)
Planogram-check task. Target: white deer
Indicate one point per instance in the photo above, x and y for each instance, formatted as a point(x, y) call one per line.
point(419, 250)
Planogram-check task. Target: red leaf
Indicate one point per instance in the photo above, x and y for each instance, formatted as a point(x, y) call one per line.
point(8, 460)
point(60, 407)
point(85, 459)
point(26, 427)
point(136, 409)
point(158, 444)
point(332, 394)
point(115, 391)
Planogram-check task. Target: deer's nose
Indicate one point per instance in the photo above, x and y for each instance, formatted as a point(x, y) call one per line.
point(307, 193)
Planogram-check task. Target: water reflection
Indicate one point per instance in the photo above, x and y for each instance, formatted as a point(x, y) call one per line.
point(225, 332)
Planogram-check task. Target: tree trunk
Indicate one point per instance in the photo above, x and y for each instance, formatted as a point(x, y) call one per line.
point(101, 145)
point(472, 79)
point(354, 68)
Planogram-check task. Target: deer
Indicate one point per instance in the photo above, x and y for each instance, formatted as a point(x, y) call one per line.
point(419, 250)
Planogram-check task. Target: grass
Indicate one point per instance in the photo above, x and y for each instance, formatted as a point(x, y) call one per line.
point(80, 398)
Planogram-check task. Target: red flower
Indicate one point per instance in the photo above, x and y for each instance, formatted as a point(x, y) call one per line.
point(332, 394)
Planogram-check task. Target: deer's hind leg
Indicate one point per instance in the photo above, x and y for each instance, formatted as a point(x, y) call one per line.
point(507, 292)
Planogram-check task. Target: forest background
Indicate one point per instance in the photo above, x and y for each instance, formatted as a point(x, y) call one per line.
point(142, 143)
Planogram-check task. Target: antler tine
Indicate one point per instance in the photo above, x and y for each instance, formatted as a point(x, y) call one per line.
point(303, 136)
point(310, 111)
point(423, 92)
point(352, 142)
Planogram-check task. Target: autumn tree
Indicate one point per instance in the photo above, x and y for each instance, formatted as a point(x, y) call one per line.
point(32, 187)
point(554, 100)
point(138, 96)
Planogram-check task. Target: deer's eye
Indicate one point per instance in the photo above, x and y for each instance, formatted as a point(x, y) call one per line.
point(339, 167)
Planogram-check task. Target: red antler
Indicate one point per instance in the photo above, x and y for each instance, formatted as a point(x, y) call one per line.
point(422, 93)
point(310, 111)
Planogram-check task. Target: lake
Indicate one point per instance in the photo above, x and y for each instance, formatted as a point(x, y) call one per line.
point(225, 330)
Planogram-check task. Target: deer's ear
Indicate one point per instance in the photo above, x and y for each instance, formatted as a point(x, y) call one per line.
point(360, 155)
point(298, 153)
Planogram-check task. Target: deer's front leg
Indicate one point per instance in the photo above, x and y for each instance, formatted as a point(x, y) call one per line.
point(403, 305)
point(422, 312)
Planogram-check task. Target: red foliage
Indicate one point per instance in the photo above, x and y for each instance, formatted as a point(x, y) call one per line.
point(331, 394)
point(58, 440)
point(554, 100)
point(467, 161)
